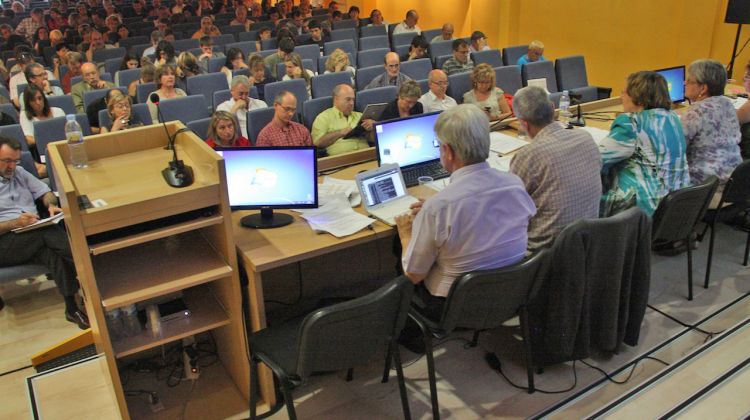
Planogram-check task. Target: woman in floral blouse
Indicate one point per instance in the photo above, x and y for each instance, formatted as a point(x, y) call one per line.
point(712, 130)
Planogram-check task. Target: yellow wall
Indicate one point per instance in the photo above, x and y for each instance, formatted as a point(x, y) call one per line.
point(617, 37)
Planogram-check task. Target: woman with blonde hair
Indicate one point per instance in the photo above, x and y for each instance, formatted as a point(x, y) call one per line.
point(295, 70)
point(187, 66)
point(119, 108)
point(484, 94)
point(339, 61)
point(223, 132)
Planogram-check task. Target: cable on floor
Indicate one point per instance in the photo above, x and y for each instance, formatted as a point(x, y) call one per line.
point(709, 334)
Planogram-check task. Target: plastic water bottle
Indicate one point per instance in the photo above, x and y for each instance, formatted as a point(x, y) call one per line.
point(131, 324)
point(74, 136)
point(565, 108)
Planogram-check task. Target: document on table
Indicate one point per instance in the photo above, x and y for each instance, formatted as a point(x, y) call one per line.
point(334, 186)
point(597, 133)
point(504, 144)
point(336, 217)
point(41, 223)
point(501, 163)
point(738, 102)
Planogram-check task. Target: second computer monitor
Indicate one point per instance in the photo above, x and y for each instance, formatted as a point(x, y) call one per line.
point(675, 82)
point(408, 141)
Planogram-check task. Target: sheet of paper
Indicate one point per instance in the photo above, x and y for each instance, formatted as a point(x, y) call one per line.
point(347, 187)
point(738, 102)
point(41, 223)
point(336, 218)
point(504, 144)
point(597, 133)
point(501, 163)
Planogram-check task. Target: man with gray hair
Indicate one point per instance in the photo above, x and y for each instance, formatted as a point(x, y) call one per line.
point(392, 75)
point(241, 102)
point(37, 75)
point(560, 168)
point(478, 221)
point(436, 99)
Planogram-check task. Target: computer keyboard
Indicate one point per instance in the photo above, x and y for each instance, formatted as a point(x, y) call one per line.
point(434, 170)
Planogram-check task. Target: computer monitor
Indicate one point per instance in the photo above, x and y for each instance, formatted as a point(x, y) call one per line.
point(408, 141)
point(675, 82)
point(268, 178)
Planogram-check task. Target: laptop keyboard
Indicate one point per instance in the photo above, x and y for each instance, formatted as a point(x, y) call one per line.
point(434, 170)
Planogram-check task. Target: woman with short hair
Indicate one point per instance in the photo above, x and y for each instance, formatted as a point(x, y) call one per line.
point(406, 102)
point(120, 111)
point(165, 78)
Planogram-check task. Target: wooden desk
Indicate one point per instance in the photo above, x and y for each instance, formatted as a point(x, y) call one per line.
point(82, 390)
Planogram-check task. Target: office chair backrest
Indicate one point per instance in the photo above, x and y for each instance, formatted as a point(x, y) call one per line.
point(374, 30)
point(540, 70)
point(365, 75)
point(417, 69)
point(737, 188)
point(508, 78)
point(350, 333)
point(491, 57)
point(512, 54)
point(15, 132)
point(27, 163)
point(125, 77)
point(571, 72)
point(680, 210)
point(485, 299)
point(345, 44)
point(64, 102)
point(372, 57)
point(312, 107)
point(380, 95)
point(324, 84)
point(373, 42)
point(9, 110)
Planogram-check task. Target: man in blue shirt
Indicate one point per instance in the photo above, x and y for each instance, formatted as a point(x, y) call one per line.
point(46, 246)
point(536, 49)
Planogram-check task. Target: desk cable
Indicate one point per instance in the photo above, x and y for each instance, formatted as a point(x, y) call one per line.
point(709, 334)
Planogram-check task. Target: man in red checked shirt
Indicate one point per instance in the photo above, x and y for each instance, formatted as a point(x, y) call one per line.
point(282, 131)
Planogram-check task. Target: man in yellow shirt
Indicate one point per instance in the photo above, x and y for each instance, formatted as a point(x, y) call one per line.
point(331, 125)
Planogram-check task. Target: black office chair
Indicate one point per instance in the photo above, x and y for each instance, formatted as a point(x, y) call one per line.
point(735, 199)
point(483, 300)
point(336, 337)
point(677, 216)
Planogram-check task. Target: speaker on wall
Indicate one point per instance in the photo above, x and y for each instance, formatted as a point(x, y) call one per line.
point(738, 11)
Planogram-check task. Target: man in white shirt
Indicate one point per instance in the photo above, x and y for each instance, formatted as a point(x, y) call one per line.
point(156, 36)
point(24, 57)
point(409, 24)
point(37, 75)
point(241, 102)
point(446, 33)
point(435, 99)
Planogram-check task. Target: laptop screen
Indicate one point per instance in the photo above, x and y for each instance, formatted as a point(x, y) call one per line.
point(675, 82)
point(408, 141)
point(382, 187)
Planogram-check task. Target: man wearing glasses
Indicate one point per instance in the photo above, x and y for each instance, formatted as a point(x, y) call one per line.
point(435, 99)
point(47, 246)
point(282, 131)
point(37, 75)
point(460, 61)
point(392, 75)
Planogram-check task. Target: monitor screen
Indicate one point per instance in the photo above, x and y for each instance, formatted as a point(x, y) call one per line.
point(271, 177)
point(408, 141)
point(675, 82)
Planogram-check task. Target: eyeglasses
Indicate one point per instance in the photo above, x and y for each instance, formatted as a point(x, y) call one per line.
point(393, 66)
point(289, 108)
point(441, 83)
point(9, 161)
point(39, 75)
point(122, 106)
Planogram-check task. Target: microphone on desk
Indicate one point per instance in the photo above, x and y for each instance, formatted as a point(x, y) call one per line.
point(177, 174)
point(577, 99)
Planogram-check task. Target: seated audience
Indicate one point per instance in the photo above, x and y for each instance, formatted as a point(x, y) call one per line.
point(48, 245)
point(317, 36)
point(258, 76)
point(643, 156)
point(36, 108)
point(331, 125)
point(263, 34)
point(460, 62)
point(207, 28)
point(478, 221)
point(147, 76)
point(37, 75)
point(710, 124)
point(222, 132)
point(96, 43)
point(240, 18)
point(165, 54)
point(339, 61)
point(392, 75)
point(24, 57)
point(560, 168)
point(282, 131)
point(417, 49)
point(92, 110)
point(28, 26)
point(187, 66)
point(129, 62)
point(165, 87)
point(436, 99)
point(486, 95)
point(207, 52)
point(478, 42)
point(376, 18)
point(409, 24)
point(446, 33)
point(156, 36)
point(743, 115)
point(286, 46)
point(241, 102)
point(406, 102)
point(75, 61)
point(119, 108)
point(91, 81)
point(536, 49)
point(354, 14)
point(295, 70)
point(41, 40)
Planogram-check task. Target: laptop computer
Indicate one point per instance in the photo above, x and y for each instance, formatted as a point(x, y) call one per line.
point(411, 143)
point(384, 193)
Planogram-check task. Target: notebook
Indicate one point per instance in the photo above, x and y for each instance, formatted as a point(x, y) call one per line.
point(412, 144)
point(384, 193)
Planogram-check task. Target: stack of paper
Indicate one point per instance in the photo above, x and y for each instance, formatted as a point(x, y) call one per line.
point(501, 163)
point(504, 144)
point(738, 102)
point(333, 186)
point(336, 217)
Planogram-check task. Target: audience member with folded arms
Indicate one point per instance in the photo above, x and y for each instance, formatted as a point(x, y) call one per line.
point(91, 81)
point(331, 125)
point(560, 168)
point(339, 61)
point(460, 62)
point(643, 156)
point(223, 132)
point(241, 102)
point(406, 102)
point(282, 131)
point(417, 49)
point(165, 88)
point(295, 70)
point(392, 75)
point(486, 95)
point(120, 111)
point(446, 33)
point(436, 98)
point(478, 221)
point(409, 24)
point(710, 124)
point(48, 245)
point(536, 49)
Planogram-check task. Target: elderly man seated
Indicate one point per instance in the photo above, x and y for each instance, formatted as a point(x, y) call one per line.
point(392, 75)
point(91, 81)
point(436, 99)
point(332, 125)
point(536, 49)
point(241, 102)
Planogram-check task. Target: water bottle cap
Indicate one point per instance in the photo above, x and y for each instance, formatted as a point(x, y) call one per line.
point(70, 117)
point(565, 92)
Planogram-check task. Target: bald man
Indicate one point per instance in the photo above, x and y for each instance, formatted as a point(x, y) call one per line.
point(435, 99)
point(392, 75)
point(331, 125)
point(91, 81)
point(446, 33)
point(409, 24)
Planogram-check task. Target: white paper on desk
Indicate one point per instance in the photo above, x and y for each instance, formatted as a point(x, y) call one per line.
point(738, 102)
point(504, 144)
point(334, 185)
point(41, 223)
point(337, 218)
point(501, 163)
point(597, 133)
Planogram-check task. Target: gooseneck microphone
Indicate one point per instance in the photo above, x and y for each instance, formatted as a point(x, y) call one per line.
point(177, 174)
point(579, 121)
